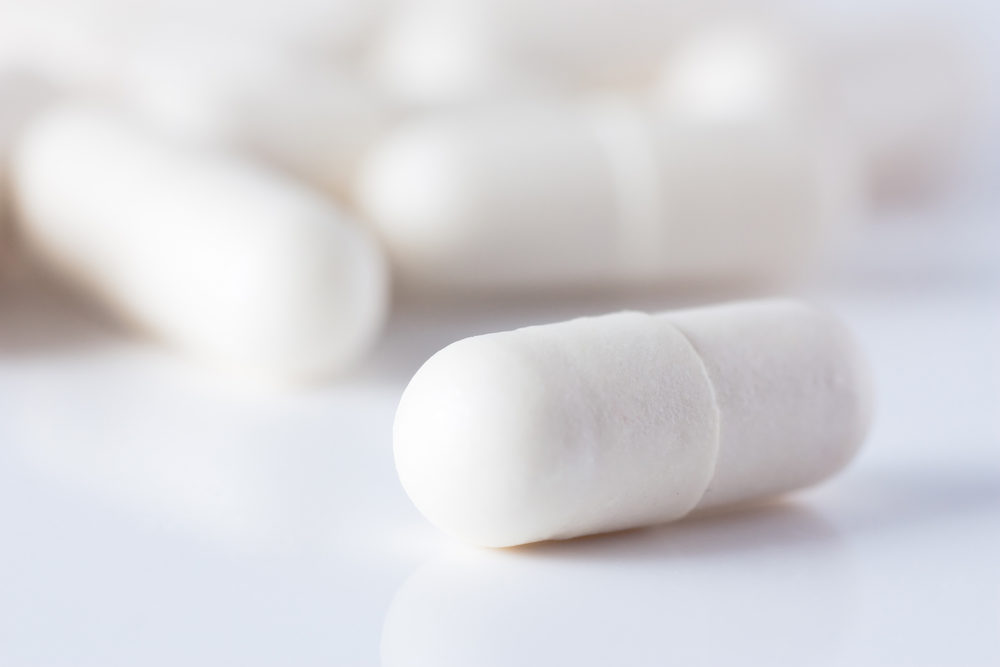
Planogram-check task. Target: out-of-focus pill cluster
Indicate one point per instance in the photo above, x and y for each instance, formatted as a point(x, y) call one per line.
point(251, 182)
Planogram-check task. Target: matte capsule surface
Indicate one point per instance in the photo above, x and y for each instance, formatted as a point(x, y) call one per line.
point(218, 256)
point(606, 423)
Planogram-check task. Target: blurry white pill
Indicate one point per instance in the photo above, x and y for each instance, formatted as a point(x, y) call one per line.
point(311, 120)
point(603, 42)
point(899, 92)
point(734, 70)
point(606, 423)
point(907, 93)
point(324, 30)
point(215, 255)
point(85, 45)
point(438, 53)
point(442, 52)
point(73, 44)
point(542, 195)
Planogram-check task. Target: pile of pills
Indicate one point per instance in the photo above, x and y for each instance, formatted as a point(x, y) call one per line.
point(250, 183)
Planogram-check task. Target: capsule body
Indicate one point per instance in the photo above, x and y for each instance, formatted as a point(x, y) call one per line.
point(443, 52)
point(625, 420)
point(218, 256)
point(536, 195)
point(306, 118)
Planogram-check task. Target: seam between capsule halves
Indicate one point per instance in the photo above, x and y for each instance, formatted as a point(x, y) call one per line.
point(717, 444)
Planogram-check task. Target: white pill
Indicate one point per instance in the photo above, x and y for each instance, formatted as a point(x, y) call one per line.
point(606, 423)
point(603, 42)
point(73, 44)
point(735, 70)
point(899, 94)
point(437, 52)
point(311, 120)
point(531, 196)
point(908, 95)
point(218, 256)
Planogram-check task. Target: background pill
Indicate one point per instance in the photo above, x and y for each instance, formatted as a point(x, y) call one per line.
point(211, 253)
point(310, 118)
point(902, 94)
point(433, 53)
point(624, 420)
point(537, 195)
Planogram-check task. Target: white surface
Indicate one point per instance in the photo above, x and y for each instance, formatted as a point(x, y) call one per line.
point(152, 518)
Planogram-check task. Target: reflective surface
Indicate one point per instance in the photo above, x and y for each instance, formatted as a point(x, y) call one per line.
point(154, 516)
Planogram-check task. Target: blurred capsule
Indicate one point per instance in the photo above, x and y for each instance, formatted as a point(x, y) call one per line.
point(313, 121)
point(534, 195)
point(75, 45)
point(324, 30)
point(605, 42)
point(436, 53)
point(84, 43)
point(446, 52)
point(898, 92)
point(736, 70)
point(214, 255)
point(905, 92)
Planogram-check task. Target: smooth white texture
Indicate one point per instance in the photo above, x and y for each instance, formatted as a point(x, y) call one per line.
point(735, 70)
point(312, 119)
point(218, 256)
point(534, 196)
point(624, 420)
point(436, 53)
point(901, 92)
point(153, 521)
point(514, 196)
point(433, 53)
point(84, 45)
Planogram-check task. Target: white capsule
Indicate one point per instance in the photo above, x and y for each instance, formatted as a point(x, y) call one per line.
point(434, 52)
point(899, 94)
point(313, 121)
point(215, 255)
point(606, 423)
point(908, 95)
point(538, 195)
point(73, 44)
point(737, 70)
point(603, 42)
